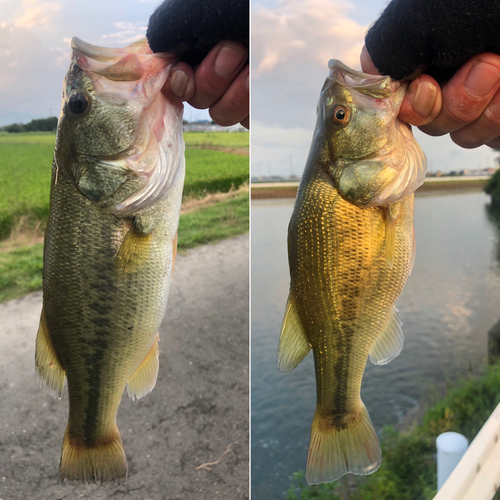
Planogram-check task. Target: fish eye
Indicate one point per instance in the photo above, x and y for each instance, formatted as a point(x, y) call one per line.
point(78, 103)
point(340, 115)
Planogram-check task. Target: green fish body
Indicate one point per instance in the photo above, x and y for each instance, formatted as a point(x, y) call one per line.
point(351, 248)
point(110, 246)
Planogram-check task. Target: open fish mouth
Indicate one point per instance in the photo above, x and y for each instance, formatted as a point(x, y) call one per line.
point(396, 168)
point(134, 75)
point(377, 86)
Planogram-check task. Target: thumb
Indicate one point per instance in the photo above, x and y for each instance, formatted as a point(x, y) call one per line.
point(367, 65)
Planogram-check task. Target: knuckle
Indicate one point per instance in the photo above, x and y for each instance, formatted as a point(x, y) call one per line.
point(461, 110)
point(492, 114)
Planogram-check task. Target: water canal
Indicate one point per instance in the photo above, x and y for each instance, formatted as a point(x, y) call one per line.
point(450, 301)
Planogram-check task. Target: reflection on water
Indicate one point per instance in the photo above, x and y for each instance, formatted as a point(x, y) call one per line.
point(450, 301)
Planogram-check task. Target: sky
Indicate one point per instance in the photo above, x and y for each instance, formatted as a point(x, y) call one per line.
point(292, 42)
point(35, 53)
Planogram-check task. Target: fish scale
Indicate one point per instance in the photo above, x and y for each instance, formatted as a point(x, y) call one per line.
point(350, 248)
point(109, 246)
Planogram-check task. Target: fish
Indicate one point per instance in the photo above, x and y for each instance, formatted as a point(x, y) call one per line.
point(110, 246)
point(351, 247)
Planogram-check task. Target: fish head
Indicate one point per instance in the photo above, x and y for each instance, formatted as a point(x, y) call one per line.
point(370, 154)
point(119, 136)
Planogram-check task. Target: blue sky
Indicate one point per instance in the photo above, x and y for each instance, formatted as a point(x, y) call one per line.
point(34, 48)
point(292, 41)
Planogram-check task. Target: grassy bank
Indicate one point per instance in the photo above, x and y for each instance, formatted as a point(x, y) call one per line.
point(408, 469)
point(25, 164)
point(26, 159)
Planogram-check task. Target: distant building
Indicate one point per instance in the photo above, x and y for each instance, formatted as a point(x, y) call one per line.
point(206, 126)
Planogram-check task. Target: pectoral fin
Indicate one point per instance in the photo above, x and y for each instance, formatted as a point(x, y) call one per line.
point(49, 371)
point(413, 251)
point(142, 382)
point(390, 341)
point(392, 216)
point(293, 345)
point(134, 251)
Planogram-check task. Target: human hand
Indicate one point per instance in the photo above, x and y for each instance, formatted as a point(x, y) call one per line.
point(211, 41)
point(467, 106)
point(220, 83)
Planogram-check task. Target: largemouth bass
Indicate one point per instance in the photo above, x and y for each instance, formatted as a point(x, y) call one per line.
point(110, 244)
point(351, 247)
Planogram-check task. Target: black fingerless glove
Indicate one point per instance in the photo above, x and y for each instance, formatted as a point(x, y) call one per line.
point(436, 36)
point(190, 28)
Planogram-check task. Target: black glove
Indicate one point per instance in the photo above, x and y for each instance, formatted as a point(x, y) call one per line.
point(434, 36)
point(190, 28)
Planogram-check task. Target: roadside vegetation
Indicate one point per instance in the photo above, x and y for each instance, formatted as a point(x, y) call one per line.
point(215, 201)
point(493, 188)
point(409, 470)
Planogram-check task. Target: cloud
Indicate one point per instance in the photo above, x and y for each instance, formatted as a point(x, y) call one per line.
point(127, 33)
point(291, 46)
point(298, 31)
point(31, 80)
point(36, 13)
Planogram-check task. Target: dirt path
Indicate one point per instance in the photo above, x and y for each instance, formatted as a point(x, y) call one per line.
point(197, 409)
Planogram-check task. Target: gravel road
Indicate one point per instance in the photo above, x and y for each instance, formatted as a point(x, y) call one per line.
point(197, 410)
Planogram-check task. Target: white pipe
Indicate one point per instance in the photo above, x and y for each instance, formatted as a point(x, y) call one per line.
point(450, 448)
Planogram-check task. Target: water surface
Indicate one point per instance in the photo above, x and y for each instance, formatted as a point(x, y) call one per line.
point(450, 301)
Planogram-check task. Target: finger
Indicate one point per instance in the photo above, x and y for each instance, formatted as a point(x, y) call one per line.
point(483, 130)
point(422, 102)
point(246, 123)
point(467, 94)
point(367, 65)
point(232, 107)
point(180, 86)
point(217, 72)
point(495, 143)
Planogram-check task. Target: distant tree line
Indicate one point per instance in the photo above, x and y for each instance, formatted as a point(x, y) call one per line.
point(39, 125)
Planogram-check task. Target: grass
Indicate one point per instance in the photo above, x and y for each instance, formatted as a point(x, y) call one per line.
point(217, 139)
point(21, 268)
point(210, 171)
point(25, 166)
point(24, 184)
point(20, 271)
point(216, 222)
point(408, 469)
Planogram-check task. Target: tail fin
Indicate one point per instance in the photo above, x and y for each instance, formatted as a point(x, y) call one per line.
point(336, 450)
point(105, 461)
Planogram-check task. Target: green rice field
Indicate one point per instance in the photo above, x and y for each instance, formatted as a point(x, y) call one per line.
point(25, 166)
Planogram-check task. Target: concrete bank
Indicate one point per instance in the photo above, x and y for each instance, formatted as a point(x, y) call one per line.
point(431, 184)
point(197, 410)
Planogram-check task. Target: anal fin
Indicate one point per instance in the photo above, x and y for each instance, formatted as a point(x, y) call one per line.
point(48, 368)
point(390, 341)
point(293, 344)
point(142, 382)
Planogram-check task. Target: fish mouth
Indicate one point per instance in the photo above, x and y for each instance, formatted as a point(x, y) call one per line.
point(135, 74)
point(377, 86)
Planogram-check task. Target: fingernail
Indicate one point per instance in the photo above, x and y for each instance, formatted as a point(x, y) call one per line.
point(227, 61)
point(481, 80)
point(179, 83)
point(425, 99)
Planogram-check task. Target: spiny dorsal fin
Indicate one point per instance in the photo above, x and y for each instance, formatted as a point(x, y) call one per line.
point(293, 345)
point(390, 341)
point(48, 369)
